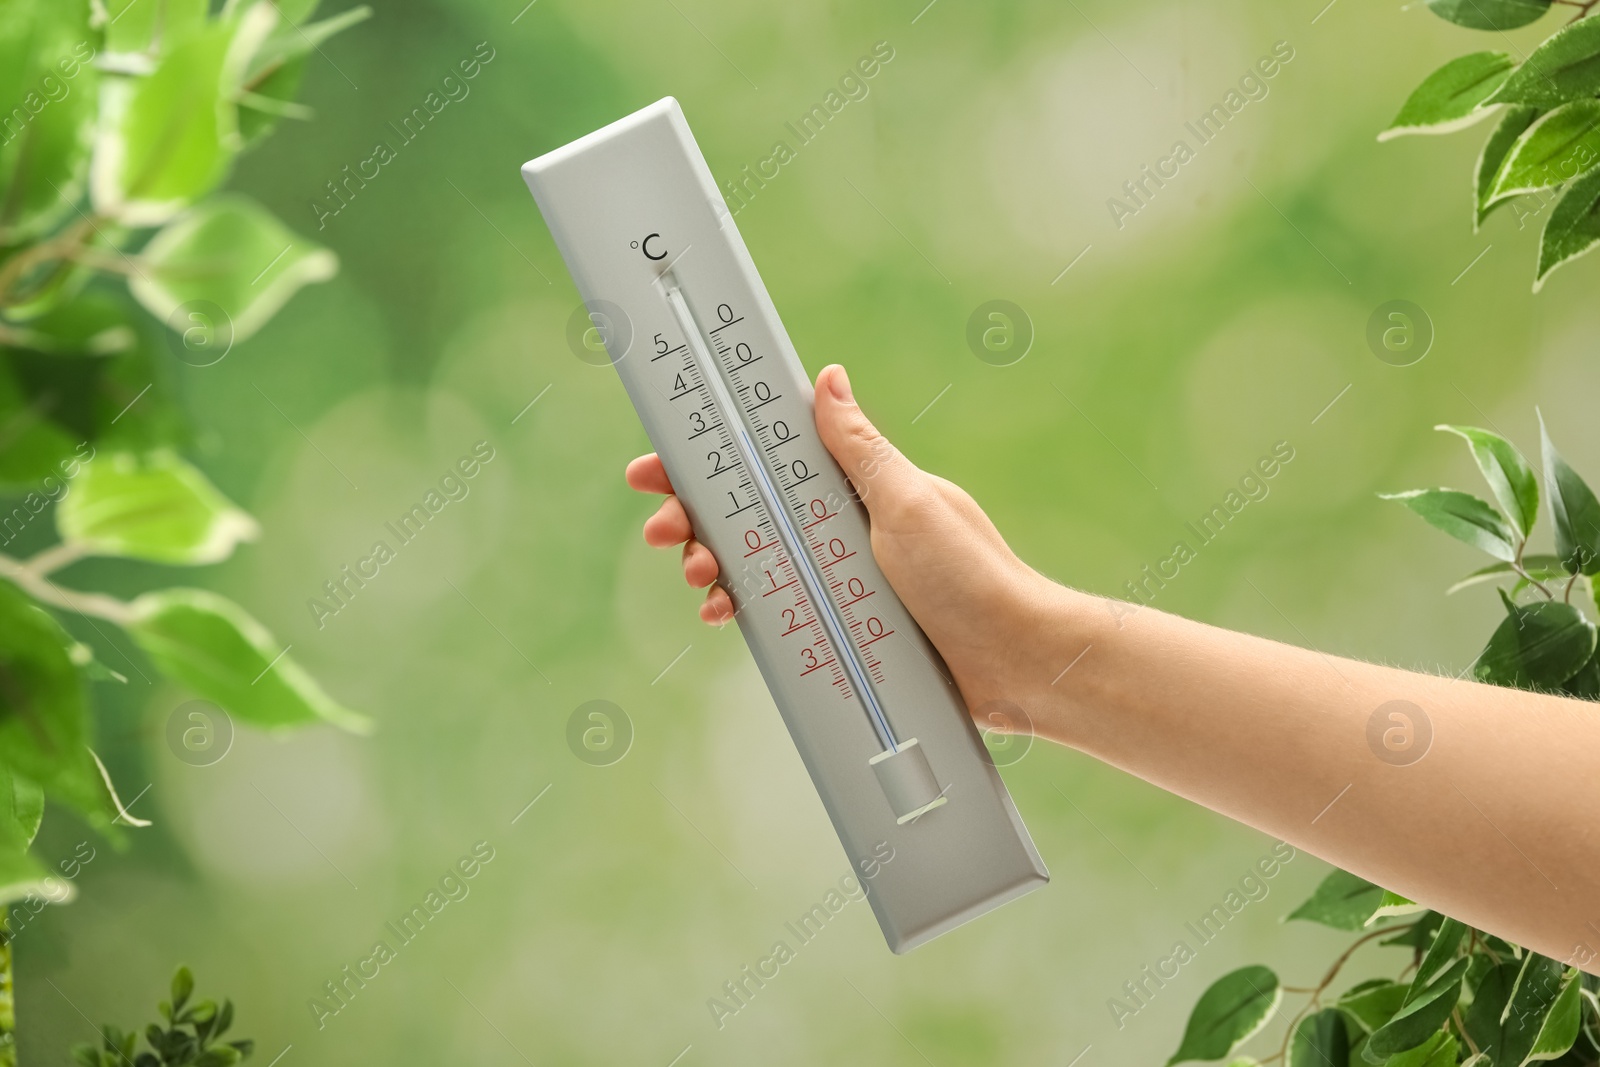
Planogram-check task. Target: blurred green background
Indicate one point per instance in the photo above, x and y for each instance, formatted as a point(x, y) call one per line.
point(1219, 320)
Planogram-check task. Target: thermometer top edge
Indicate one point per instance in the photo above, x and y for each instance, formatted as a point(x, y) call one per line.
point(666, 108)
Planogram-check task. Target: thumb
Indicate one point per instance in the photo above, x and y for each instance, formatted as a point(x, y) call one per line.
point(882, 475)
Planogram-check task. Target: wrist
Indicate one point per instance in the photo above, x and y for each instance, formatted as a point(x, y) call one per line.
point(1068, 638)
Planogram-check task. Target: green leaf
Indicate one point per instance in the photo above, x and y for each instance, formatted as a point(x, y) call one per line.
point(233, 253)
point(44, 719)
point(182, 987)
point(274, 77)
point(1440, 1050)
point(1462, 516)
point(94, 324)
point(34, 445)
point(1585, 685)
point(1561, 145)
point(1559, 1030)
point(1228, 1014)
point(1419, 1018)
point(1573, 510)
point(1491, 160)
point(1418, 934)
point(1514, 1013)
point(141, 26)
point(21, 806)
point(1539, 565)
point(293, 12)
point(1393, 904)
point(1449, 98)
point(1537, 646)
point(1565, 67)
point(1508, 474)
point(1573, 227)
point(1488, 1007)
point(48, 87)
point(59, 409)
point(208, 643)
point(168, 139)
point(156, 507)
point(1343, 901)
point(1489, 14)
point(20, 874)
point(1374, 1003)
point(44, 724)
point(1440, 955)
point(1320, 1041)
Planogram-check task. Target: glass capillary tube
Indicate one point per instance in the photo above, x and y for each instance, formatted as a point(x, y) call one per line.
point(712, 374)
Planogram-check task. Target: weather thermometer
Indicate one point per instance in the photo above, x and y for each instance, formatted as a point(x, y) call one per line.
point(689, 326)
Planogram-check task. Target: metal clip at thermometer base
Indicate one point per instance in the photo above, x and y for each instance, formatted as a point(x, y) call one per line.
point(714, 378)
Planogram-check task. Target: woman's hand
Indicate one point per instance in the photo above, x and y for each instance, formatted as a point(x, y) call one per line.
point(950, 566)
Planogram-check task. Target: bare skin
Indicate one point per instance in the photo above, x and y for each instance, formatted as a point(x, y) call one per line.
point(1498, 825)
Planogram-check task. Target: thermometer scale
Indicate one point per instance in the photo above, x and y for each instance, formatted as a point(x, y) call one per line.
point(694, 336)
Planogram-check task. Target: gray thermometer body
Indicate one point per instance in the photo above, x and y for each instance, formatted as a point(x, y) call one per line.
point(710, 370)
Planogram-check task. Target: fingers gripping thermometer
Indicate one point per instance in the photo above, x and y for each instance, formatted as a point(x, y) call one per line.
point(694, 336)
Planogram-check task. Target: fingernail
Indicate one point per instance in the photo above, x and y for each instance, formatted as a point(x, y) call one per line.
point(839, 382)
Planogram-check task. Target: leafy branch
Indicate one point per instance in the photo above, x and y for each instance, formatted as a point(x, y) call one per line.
point(191, 1038)
point(1547, 140)
point(122, 120)
point(1470, 998)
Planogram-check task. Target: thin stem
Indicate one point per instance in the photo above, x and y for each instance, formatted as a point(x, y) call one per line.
point(1516, 564)
point(1342, 960)
point(1522, 546)
point(42, 588)
point(98, 260)
point(55, 557)
point(1566, 594)
point(62, 246)
point(1327, 979)
point(8, 1000)
point(1461, 1026)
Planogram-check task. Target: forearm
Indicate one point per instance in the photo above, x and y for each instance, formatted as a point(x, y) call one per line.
point(1498, 824)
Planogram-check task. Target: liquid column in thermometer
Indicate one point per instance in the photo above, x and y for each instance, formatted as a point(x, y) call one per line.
point(908, 780)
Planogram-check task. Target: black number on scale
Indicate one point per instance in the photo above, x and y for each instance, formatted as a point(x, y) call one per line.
point(763, 391)
point(698, 420)
point(662, 347)
point(677, 384)
point(716, 464)
point(799, 469)
point(780, 430)
point(725, 313)
point(742, 350)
